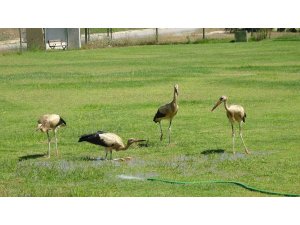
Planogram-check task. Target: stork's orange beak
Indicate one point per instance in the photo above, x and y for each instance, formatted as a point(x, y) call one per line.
point(216, 105)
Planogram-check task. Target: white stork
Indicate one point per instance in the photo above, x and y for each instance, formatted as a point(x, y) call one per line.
point(167, 111)
point(235, 113)
point(49, 122)
point(110, 141)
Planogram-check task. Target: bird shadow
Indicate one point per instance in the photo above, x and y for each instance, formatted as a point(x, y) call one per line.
point(88, 158)
point(145, 144)
point(213, 151)
point(34, 156)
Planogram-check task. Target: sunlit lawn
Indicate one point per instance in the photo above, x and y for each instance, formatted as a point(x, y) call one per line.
point(120, 89)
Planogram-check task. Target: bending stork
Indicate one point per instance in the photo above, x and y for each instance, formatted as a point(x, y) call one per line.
point(49, 122)
point(110, 141)
point(167, 111)
point(235, 113)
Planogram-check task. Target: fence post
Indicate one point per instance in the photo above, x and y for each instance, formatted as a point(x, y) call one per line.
point(85, 35)
point(156, 35)
point(203, 33)
point(20, 33)
point(109, 36)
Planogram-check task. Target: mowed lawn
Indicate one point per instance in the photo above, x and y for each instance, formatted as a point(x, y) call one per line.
point(120, 89)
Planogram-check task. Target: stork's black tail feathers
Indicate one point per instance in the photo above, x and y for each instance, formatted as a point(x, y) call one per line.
point(92, 138)
point(87, 137)
point(61, 121)
point(244, 118)
point(157, 116)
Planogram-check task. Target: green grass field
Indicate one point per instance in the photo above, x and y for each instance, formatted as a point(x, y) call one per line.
point(120, 89)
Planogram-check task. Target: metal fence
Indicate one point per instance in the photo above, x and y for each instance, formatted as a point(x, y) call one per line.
point(115, 37)
point(15, 39)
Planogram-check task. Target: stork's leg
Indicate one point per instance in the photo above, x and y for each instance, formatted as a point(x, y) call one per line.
point(106, 151)
point(233, 136)
point(170, 130)
point(48, 136)
point(110, 154)
point(55, 131)
point(161, 132)
point(240, 131)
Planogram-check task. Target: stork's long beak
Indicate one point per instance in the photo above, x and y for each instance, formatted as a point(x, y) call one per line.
point(139, 140)
point(216, 105)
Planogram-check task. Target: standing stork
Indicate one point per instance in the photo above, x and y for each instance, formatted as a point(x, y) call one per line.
point(167, 111)
point(110, 141)
point(235, 113)
point(49, 122)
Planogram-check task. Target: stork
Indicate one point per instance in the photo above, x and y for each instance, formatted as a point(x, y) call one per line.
point(49, 122)
point(109, 141)
point(167, 111)
point(235, 113)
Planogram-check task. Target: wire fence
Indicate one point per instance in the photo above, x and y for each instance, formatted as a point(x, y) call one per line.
point(154, 36)
point(15, 39)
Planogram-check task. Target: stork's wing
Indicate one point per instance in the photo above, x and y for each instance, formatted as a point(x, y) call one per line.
point(162, 112)
point(111, 139)
point(50, 120)
point(44, 122)
point(158, 115)
point(92, 138)
point(165, 109)
point(237, 112)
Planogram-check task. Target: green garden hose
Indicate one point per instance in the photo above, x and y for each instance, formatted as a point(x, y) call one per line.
point(225, 182)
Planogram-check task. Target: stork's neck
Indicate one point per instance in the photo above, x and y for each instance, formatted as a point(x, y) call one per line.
point(125, 147)
point(175, 97)
point(225, 105)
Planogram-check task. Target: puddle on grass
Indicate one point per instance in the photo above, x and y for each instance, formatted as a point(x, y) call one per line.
point(231, 156)
point(66, 166)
